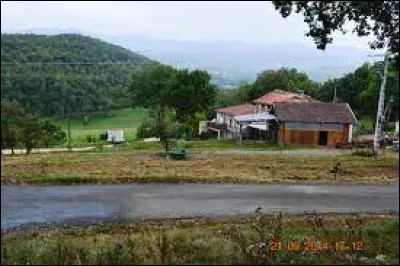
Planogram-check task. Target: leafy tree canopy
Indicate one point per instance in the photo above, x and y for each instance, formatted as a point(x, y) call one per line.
point(359, 88)
point(380, 18)
point(187, 92)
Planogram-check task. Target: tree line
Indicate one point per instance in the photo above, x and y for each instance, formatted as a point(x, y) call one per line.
point(360, 89)
point(177, 98)
point(22, 129)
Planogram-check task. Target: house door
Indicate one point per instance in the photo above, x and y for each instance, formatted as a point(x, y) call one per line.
point(323, 138)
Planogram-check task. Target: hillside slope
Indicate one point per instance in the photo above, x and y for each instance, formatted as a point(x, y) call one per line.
point(51, 74)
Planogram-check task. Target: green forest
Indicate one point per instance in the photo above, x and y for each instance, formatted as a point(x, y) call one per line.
point(53, 75)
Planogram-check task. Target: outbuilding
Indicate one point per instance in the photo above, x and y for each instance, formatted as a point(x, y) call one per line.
point(315, 123)
point(115, 136)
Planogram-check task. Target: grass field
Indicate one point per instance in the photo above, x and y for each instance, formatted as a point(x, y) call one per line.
point(75, 168)
point(259, 239)
point(208, 145)
point(126, 119)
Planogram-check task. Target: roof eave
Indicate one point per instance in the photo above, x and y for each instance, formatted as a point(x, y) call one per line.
point(352, 113)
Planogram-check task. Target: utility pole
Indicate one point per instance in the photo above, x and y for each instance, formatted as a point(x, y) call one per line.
point(379, 115)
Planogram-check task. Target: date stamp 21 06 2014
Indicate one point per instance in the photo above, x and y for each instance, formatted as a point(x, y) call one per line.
point(312, 245)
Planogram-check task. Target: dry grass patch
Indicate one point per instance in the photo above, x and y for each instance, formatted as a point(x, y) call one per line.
point(123, 168)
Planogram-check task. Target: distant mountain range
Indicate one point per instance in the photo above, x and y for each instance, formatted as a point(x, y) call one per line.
point(232, 62)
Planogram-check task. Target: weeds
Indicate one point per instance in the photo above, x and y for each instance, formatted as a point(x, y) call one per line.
point(259, 239)
point(364, 153)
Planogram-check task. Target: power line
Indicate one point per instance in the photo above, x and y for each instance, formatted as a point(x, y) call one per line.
point(177, 61)
point(77, 63)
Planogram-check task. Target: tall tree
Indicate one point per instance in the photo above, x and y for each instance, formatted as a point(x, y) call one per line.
point(163, 125)
point(380, 18)
point(361, 90)
point(52, 134)
point(192, 93)
point(187, 93)
point(12, 114)
point(151, 87)
point(31, 133)
point(285, 79)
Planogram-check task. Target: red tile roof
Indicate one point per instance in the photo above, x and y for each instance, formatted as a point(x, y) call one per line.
point(278, 96)
point(241, 109)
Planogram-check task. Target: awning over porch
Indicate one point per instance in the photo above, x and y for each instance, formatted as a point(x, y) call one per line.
point(262, 127)
point(258, 117)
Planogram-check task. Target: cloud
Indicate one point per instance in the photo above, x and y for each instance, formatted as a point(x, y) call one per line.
point(252, 21)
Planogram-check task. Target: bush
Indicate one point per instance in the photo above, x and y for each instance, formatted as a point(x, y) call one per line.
point(90, 139)
point(103, 136)
point(204, 135)
point(180, 144)
point(145, 130)
point(52, 134)
point(364, 153)
point(85, 120)
point(365, 126)
point(389, 127)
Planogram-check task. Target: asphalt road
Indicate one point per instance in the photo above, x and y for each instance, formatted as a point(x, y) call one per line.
point(33, 204)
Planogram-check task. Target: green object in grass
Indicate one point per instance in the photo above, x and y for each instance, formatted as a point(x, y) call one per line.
point(178, 154)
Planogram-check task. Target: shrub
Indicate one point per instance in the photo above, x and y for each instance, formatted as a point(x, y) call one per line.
point(365, 126)
point(180, 144)
point(204, 136)
point(103, 136)
point(90, 139)
point(85, 120)
point(52, 134)
point(364, 153)
point(145, 130)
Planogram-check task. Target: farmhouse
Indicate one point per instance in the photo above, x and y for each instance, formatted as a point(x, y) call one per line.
point(285, 118)
point(224, 125)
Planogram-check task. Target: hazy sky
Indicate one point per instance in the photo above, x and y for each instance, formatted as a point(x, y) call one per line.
point(246, 21)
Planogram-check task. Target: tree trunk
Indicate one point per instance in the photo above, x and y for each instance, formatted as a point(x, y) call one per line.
point(166, 145)
point(28, 149)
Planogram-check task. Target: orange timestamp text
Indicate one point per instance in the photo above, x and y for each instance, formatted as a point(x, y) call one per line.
point(312, 245)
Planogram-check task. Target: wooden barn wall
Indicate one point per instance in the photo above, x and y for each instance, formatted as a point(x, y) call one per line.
point(346, 132)
point(311, 137)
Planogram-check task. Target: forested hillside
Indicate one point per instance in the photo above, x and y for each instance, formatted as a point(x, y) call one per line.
point(51, 74)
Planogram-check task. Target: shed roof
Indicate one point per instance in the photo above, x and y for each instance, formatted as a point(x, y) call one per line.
point(315, 112)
